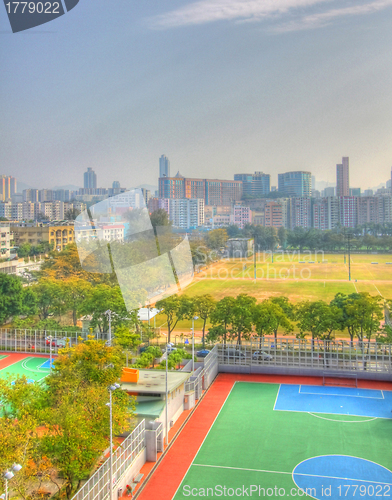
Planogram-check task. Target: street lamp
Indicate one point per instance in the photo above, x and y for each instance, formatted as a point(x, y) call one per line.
point(109, 315)
point(50, 352)
point(8, 475)
point(193, 342)
point(111, 389)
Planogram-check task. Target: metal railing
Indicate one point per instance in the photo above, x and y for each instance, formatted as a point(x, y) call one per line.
point(97, 487)
point(304, 353)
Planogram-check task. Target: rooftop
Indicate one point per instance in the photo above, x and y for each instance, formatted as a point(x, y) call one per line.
point(154, 381)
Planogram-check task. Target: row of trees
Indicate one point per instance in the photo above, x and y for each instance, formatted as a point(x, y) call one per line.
point(60, 429)
point(242, 317)
point(268, 238)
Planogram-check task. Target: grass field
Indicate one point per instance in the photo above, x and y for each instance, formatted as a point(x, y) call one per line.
point(252, 443)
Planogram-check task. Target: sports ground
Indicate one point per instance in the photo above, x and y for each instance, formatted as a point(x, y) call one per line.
point(35, 368)
point(264, 436)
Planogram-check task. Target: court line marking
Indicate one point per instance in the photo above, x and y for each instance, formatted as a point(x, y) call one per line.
point(345, 421)
point(14, 363)
point(32, 370)
point(276, 399)
point(345, 414)
point(209, 430)
point(296, 473)
point(340, 395)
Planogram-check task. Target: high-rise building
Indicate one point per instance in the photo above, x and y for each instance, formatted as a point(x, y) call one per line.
point(90, 179)
point(300, 212)
point(212, 191)
point(164, 166)
point(8, 187)
point(257, 184)
point(342, 178)
point(348, 211)
point(295, 184)
point(185, 213)
point(241, 216)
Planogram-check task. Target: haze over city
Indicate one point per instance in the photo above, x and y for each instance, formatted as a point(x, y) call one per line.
point(220, 87)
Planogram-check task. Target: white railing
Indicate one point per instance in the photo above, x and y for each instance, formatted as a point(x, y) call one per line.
point(97, 487)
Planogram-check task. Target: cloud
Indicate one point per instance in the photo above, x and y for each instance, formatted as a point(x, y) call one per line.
point(207, 11)
point(324, 18)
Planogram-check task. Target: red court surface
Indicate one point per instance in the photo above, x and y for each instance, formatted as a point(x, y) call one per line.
point(169, 473)
point(14, 357)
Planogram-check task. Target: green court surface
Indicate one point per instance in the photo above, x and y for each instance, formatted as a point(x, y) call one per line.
point(30, 367)
point(250, 443)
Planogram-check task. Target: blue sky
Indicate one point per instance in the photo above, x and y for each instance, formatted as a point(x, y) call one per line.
point(219, 86)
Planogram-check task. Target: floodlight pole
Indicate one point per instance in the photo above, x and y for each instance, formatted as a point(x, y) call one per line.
point(167, 399)
point(111, 445)
point(254, 256)
point(349, 255)
point(109, 315)
point(193, 343)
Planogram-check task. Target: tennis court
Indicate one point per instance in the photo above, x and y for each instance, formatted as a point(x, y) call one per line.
point(35, 368)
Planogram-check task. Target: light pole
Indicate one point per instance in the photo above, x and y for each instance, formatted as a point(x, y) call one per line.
point(193, 342)
point(7, 476)
point(109, 315)
point(50, 352)
point(167, 398)
point(111, 388)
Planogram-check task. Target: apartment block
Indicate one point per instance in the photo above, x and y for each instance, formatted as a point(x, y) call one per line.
point(275, 213)
point(343, 178)
point(5, 241)
point(59, 235)
point(241, 216)
point(8, 187)
point(185, 213)
point(348, 211)
point(300, 212)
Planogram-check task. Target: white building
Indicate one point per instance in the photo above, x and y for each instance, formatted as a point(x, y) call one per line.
point(185, 213)
point(241, 216)
point(5, 241)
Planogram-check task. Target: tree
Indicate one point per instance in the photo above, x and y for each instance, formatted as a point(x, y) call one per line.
point(367, 312)
point(160, 218)
point(283, 315)
point(241, 321)
point(221, 318)
point(204, 305)
point(263, 318)
point(175, 308)
point(11, 297)
point(155, 351)
point(317, 318)
point(71, 214)
point(75, 291)
point(126, 339)
point(101, 299)
point(48, 298)
point(216, 238)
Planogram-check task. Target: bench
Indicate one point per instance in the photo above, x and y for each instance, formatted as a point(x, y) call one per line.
point(138, 478)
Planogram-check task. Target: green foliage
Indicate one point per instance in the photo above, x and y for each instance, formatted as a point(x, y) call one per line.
point(204, 305)
point(216, 238)
point(11, 297)
point(175, 308)
point(241, 319)
point(126, 339)
point(160, 218)
point(221, 318)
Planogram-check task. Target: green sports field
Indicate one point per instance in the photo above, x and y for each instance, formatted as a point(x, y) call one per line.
point(29, 366)
point(250, 443)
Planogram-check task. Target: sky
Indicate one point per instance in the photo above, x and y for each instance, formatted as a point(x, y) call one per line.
point(218, 86)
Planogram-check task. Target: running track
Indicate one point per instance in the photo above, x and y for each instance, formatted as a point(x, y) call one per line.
point(168, 475)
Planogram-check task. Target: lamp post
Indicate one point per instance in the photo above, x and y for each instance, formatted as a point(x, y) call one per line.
point(7, 476)
point(167, 398)
point(109, 315)
point(193, 342)
point(50, 352)
point(111, 388)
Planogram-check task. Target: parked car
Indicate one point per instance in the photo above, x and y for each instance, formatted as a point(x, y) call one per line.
point(203, 353)
point(261, 355)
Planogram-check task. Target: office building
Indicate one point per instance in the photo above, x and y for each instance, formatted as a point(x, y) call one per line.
point(328, 191)
point(257, 184)
point(90, 179)
point(355, 191)
point(342, 178)
point(164, 166)
point(295, 184)
point(212, 191)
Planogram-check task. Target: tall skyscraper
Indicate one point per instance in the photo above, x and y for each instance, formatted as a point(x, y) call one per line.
point(342, 178)
point(295, 184)
point(90, 179)
point(7, 187)
point(257, 184)
point(164, 166)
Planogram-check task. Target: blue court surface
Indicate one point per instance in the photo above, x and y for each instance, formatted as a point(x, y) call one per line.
point(334, 400)
point(47, 364)
point(337, 476)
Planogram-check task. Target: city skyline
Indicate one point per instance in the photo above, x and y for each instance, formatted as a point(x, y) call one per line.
point(217, 86)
